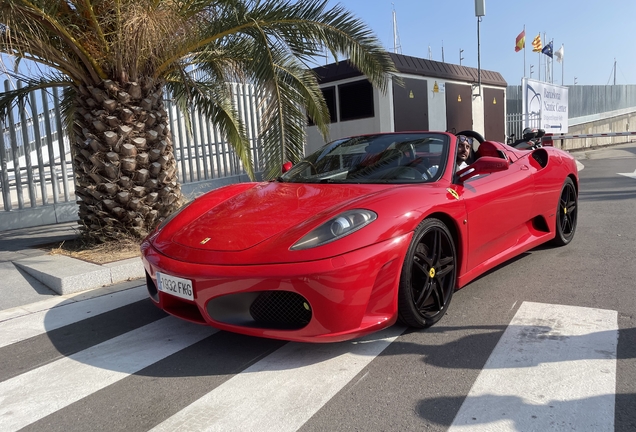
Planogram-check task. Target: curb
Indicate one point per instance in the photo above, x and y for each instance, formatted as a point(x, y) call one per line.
point(65, 275)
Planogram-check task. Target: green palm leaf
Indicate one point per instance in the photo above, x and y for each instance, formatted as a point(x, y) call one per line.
point(128, 52)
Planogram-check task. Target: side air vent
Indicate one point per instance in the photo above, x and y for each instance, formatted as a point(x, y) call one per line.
point(541, 156)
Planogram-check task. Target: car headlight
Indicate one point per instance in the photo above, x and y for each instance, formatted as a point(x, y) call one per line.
point(336, 228)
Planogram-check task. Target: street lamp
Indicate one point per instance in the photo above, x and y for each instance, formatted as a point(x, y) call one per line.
point(480, 11)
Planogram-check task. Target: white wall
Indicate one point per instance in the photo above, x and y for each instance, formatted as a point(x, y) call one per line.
point(478, 111)
point(436, 104)
point(381, 122)
point(383, 108)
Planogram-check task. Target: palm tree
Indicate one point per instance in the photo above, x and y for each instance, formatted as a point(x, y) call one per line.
point(118, 58)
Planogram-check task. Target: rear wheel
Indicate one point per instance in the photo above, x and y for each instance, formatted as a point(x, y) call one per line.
point(567, 213)
point(428, 275)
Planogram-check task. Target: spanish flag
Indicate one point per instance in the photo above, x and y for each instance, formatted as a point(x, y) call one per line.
point(521, 41)
point(536, 44)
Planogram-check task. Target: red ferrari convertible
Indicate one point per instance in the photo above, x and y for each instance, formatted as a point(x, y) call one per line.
point(364, 232)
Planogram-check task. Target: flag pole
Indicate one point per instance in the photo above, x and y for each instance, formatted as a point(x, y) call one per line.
point(552, 63)
point(562, 63)
point(545, 65)
point(539, 68)
point(524, 50)
point(539, 52)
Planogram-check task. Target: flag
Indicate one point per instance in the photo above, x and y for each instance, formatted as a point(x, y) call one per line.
point(559, 54)
point(547, 50)
point(521, 41)
point(536, 43)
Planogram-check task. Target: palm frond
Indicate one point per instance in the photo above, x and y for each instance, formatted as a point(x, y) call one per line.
point(14, 97)
point(264, 43)
point(307, 27)
point(213, 99)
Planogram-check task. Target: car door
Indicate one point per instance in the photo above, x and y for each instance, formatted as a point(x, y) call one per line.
point(498, 208)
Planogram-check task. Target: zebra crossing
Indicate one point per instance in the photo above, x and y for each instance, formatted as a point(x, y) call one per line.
point(118, 363)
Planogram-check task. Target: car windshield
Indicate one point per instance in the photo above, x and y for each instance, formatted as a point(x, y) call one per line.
point(382, 158)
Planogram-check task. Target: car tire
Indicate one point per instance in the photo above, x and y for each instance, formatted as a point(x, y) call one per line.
point(429, 275)
point(567, 214)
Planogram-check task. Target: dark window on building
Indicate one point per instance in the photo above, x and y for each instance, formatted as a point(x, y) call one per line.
point(329, 93)
point(355, 100)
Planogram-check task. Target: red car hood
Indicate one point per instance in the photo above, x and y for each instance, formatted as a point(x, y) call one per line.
point(259, 213)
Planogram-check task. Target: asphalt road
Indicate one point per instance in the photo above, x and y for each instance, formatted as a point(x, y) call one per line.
point(131, 368)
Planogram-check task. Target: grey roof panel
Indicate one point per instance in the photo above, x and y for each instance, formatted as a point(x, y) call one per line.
point(414, 66)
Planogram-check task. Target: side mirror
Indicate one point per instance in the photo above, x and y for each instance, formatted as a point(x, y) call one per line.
point(286, 167)
point(483, 165)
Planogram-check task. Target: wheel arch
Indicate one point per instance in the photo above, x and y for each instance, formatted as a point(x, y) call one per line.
point(575, 180)
point(453, 227)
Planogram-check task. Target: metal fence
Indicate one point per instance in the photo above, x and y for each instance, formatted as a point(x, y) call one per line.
point(515, 124)
point(36, 167)
point(584, 100)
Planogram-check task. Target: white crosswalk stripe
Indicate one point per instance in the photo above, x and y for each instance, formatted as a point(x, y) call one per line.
point(26, 326)
point(553, 363)
point(554, 368)
point(282, 391)
point(39, 392)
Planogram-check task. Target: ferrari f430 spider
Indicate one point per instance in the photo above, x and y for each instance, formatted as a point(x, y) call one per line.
point(364, 232)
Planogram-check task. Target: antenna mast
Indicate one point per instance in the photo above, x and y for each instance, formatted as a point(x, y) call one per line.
point(397, 46)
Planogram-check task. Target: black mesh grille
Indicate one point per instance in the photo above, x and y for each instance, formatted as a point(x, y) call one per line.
point(280, 309)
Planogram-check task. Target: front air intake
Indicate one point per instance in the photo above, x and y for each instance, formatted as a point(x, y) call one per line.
point(280, 309)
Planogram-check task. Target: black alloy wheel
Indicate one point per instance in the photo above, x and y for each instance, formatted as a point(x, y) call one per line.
point(567, 212)
point(429, 275)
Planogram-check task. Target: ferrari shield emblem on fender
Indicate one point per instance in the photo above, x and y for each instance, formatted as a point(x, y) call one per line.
point(205, 240)
point(453, 193)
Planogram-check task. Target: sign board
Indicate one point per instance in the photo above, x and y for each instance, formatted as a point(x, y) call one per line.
point(545, 106)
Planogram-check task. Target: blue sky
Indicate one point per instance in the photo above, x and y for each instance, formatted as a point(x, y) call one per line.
point(593, 34)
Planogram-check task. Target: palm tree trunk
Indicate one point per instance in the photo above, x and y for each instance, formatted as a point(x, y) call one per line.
point(125, 171)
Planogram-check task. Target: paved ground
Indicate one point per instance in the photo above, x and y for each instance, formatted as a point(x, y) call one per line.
point(29, 275)
point(545, 342)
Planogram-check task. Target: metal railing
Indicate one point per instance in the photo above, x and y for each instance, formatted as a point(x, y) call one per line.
point(36, 168)
point(516, 122)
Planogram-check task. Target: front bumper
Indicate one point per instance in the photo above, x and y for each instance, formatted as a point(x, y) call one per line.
point(328, 300)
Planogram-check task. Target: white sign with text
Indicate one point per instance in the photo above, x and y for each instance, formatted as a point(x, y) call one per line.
point(545, 106)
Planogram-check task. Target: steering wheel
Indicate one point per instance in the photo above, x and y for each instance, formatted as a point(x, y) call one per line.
point(408, 151)
point(408, 173)
point(312, 168)
point(471, 133)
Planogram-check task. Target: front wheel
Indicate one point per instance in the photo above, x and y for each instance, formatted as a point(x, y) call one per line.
point(567, 213)
point(428, 275)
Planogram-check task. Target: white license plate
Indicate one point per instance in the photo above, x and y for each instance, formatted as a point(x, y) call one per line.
point(175, 286)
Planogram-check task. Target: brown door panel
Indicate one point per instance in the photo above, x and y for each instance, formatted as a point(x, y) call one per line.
point(494, 115)
point(459, 107)
point(410, 105)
